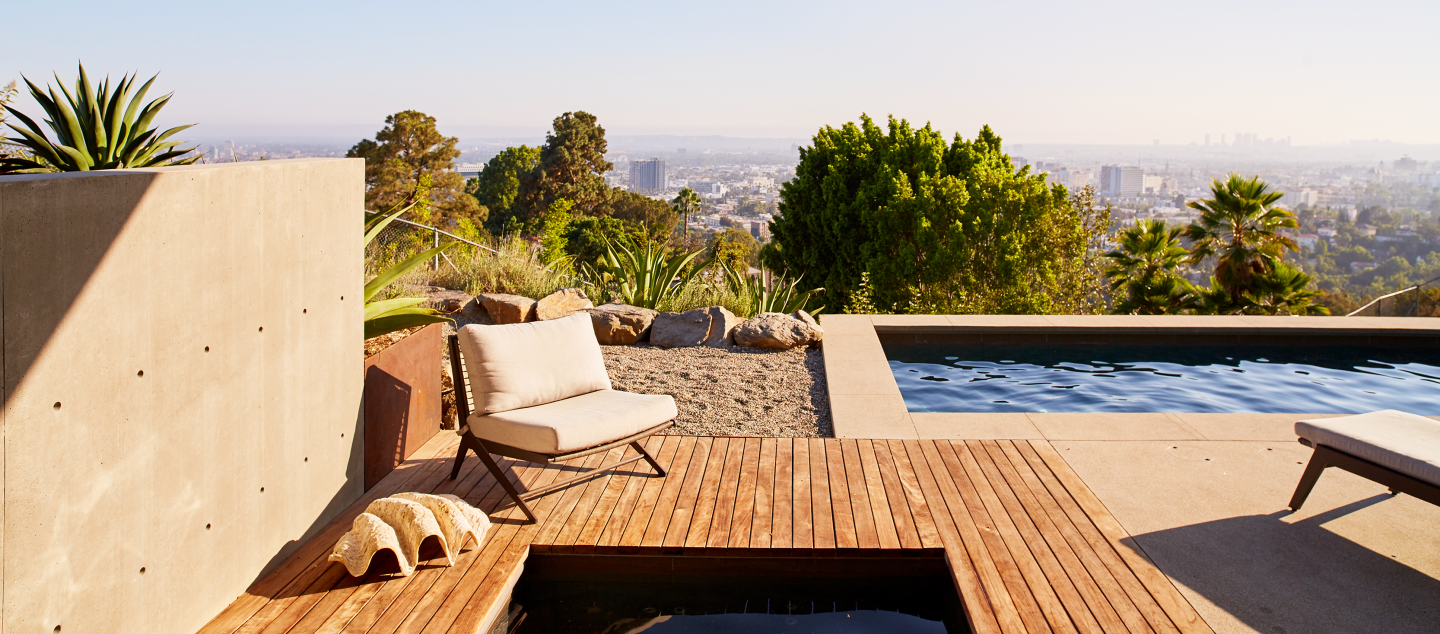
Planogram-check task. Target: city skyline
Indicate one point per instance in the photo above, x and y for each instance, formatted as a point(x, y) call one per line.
point(1118, 72)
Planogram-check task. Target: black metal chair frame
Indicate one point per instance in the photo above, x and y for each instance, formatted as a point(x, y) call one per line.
point(483, 448)
point(1326, 456)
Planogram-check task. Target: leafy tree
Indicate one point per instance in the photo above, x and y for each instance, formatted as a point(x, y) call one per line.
point(571, 166)
point(498, 184)
point(408, 148)
point(587, 238)
point(735, 248)
point(939, 227)
point(1240, 228)
point(1144, 271)
point(686, 203)
point(653, 217)
point(557, 224)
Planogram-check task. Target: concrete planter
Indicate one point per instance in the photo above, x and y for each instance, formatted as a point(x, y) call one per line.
point(402, 401)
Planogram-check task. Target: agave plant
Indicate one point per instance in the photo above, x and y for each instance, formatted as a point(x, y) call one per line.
point(387, 316)
point(647, 276)
point(95, 130)
point(784, 296)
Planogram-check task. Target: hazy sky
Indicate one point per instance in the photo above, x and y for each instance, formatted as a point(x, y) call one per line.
point(1062, 72)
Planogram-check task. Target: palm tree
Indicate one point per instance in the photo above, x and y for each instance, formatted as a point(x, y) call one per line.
point(1284, 291)
point(686, 203)
point(1241, 230)
point(1145, 266)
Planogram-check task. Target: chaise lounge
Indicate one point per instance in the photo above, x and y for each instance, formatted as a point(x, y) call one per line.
point(539, 392)
point(1396, 449)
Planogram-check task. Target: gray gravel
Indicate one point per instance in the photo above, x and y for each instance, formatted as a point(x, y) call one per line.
point(737, 391)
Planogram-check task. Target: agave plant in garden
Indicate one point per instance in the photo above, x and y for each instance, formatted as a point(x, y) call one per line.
point(387, 316)
point(647, 276)
point(784, 296)
point(94, 130)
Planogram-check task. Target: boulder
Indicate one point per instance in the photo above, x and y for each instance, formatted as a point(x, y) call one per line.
point(562, 303)
point(711, 326)
point(507, 309)
point(454, 302)
point(621, 324)
point(779, 331)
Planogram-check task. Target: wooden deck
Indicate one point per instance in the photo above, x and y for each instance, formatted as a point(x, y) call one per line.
point(1030, 548)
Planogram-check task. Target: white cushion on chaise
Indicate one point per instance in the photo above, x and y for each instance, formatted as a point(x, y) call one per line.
point(1406, 443)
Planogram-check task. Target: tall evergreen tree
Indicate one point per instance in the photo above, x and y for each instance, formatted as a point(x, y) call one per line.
point(498, 184)
point(571, 166)
point(408, 148)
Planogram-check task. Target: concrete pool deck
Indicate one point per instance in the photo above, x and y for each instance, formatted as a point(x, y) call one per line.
point(1203, 495)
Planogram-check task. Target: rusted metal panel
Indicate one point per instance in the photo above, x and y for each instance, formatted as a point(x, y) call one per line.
point(402, 401)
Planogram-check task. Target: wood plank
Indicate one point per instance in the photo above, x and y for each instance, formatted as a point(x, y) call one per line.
point(565, 540)
point(699, 531)
point(272, 594)
point(1040, 508)
point(879, 505)
point(1049, 582)
point(764, 496)
point(301, 605)
point(914, 498)
point(645, 505)
point(654, 534)
point(866, 535)
point(823, 514)
point(783, 514)
point(550, 527)
point(1048, 462)
point(719, 535)
point(590, 533)
point(802, 522)
point(745, 495)
point(978, 582)
point(684, 511)
point(895, 493)
point(840, 498)
point(609, 539)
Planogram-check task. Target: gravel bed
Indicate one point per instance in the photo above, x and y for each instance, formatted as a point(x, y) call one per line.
point(737, 391)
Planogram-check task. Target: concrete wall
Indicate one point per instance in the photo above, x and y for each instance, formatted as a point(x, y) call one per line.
point(147, 503)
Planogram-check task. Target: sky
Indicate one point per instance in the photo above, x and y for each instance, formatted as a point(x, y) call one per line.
point(1317, 72)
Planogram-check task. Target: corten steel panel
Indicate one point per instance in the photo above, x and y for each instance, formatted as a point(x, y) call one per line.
point(402, 401)
point(223, 285)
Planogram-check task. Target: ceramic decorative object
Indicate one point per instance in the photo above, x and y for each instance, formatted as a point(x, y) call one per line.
point(401, 522)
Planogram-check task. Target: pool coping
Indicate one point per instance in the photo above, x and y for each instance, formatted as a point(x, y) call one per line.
point(865, 401)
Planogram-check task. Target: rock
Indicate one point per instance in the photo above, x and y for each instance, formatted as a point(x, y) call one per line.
point(711, 326)
point(454, 302)
point(562, 303)
point(621, 324)
point(508, 309)
point(722, 327)
point(779, 331)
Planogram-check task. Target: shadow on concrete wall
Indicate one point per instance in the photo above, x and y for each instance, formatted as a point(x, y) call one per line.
point(1294, 578)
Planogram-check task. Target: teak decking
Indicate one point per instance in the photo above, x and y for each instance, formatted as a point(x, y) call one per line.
point(1030, 548)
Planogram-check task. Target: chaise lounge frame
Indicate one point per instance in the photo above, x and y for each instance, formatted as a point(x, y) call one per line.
point(469, 441)
point(1326, 456)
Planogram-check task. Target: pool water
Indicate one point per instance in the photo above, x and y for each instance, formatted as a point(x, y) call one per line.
point(1182, 378)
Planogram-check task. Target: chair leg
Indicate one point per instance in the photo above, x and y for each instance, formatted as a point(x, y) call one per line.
point(460, 457)
point(504, 481)
point(1312, 473)
point(648, 458)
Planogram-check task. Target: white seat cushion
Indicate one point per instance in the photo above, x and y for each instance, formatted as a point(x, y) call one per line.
point(523, 365)
point(1404, 442)
point(575, 423)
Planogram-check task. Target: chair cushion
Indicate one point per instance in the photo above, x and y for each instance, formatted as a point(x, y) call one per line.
point(1404, 442)
point(523, 365)
point(575, 423)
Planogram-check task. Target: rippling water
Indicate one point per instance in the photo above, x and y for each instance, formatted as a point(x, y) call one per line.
point(1092, 378)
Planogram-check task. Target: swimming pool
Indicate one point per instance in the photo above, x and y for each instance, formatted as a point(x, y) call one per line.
point(1329, 379)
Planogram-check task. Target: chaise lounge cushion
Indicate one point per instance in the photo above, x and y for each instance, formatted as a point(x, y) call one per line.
point(523, 365)
point(575, 423)
point(1403, 442)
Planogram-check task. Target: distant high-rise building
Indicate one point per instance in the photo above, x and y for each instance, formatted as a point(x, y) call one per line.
point(1121, 180)
point(647, 176)
point(1207, 138)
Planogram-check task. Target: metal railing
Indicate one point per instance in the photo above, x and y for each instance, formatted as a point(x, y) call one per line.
point(1414, 308)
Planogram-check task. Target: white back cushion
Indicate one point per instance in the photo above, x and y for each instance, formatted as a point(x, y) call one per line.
point(523, 365)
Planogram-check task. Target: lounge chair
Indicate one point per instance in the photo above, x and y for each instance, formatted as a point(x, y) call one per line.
point(1396, 449)
point(539, 392)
